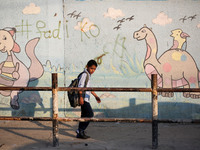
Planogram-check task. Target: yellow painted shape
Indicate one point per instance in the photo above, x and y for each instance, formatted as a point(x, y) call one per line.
point(154, 50)
point(8, 75)
point(113, 68)
point(8, 64)
point(176, 56)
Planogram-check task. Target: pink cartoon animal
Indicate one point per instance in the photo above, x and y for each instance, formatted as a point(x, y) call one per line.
point(175, 67)
point(13, 72)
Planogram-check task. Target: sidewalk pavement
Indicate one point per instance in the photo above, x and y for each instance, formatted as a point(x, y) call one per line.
point(37, 135)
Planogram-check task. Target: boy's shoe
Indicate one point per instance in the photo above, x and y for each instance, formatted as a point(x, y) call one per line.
point(81, 135)
point(86, 135)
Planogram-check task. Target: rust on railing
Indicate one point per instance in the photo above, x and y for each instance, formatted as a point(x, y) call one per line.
point(154, 112)
point(120, 89)
point(55, 109)
point(27, 88)
point(108, 89)
point(130, 120)
point(178, 89)
point(26, 118)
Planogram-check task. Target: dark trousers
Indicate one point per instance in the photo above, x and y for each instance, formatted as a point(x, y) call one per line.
point(86, 112)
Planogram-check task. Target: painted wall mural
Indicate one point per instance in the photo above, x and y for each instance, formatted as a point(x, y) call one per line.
point(173, 67)
point(13, 72)
point(129, 39)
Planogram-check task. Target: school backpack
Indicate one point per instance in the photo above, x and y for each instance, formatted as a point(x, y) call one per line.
point(73, 95)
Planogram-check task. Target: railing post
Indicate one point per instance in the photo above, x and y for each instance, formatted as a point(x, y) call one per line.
point(154, 111)
point(55, 109)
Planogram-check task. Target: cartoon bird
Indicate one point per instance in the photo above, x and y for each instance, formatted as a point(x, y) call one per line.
point(77, 16)
point(192, 17)
point(180, 39)
point(121, 21)
point(183, 19)
point(71, 14)
point(117, 27)
point(130, 18)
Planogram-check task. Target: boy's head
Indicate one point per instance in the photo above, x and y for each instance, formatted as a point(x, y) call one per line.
point(91, 66)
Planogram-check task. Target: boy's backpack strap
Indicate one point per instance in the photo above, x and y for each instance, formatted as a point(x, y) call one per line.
point(86, 80)
point(87, 77)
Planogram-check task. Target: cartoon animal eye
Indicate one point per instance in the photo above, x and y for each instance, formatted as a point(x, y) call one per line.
point(4, 38)
point(143, 31)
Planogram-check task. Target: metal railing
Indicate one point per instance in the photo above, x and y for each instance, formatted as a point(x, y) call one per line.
point(55, 118)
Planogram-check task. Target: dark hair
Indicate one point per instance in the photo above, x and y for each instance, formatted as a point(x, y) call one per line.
point(91, 62)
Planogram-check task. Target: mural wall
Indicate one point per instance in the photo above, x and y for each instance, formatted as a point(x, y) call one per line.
point(129, 39)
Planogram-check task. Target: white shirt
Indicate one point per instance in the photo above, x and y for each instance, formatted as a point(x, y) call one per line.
point(81, 83)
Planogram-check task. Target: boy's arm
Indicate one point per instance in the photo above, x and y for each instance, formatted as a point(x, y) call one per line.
point(81, 97)
point(96, 97)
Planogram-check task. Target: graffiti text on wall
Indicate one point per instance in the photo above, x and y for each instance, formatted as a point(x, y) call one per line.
point(25, 28)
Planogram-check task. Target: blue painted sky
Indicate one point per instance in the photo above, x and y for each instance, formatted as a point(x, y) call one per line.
point(72, 44)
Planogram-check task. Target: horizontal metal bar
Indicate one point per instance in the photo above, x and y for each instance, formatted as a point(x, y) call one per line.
point(120, 89)
point(128, 120)
point(106, 120)
point(26, 118)
point(78, 89)
point(178, 89)
point(75, 119)
point(98, 119)
point(27, 88)
point(179, 121)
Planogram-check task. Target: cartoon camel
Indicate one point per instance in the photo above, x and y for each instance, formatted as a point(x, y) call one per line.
point(13, 72)
point(175, 67)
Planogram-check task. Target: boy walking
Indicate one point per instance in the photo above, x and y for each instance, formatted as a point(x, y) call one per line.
point(86, 109)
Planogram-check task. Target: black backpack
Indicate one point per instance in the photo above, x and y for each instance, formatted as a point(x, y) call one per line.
point(73, 95)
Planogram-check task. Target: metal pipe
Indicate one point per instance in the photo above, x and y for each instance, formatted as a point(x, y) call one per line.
point(121, 89)
point(154, 112)
point(178, 89)
point(129, 120)
point(106, 89)
point(106, 120)
point(27, 88)
point(26, 118)
point(55, 109)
